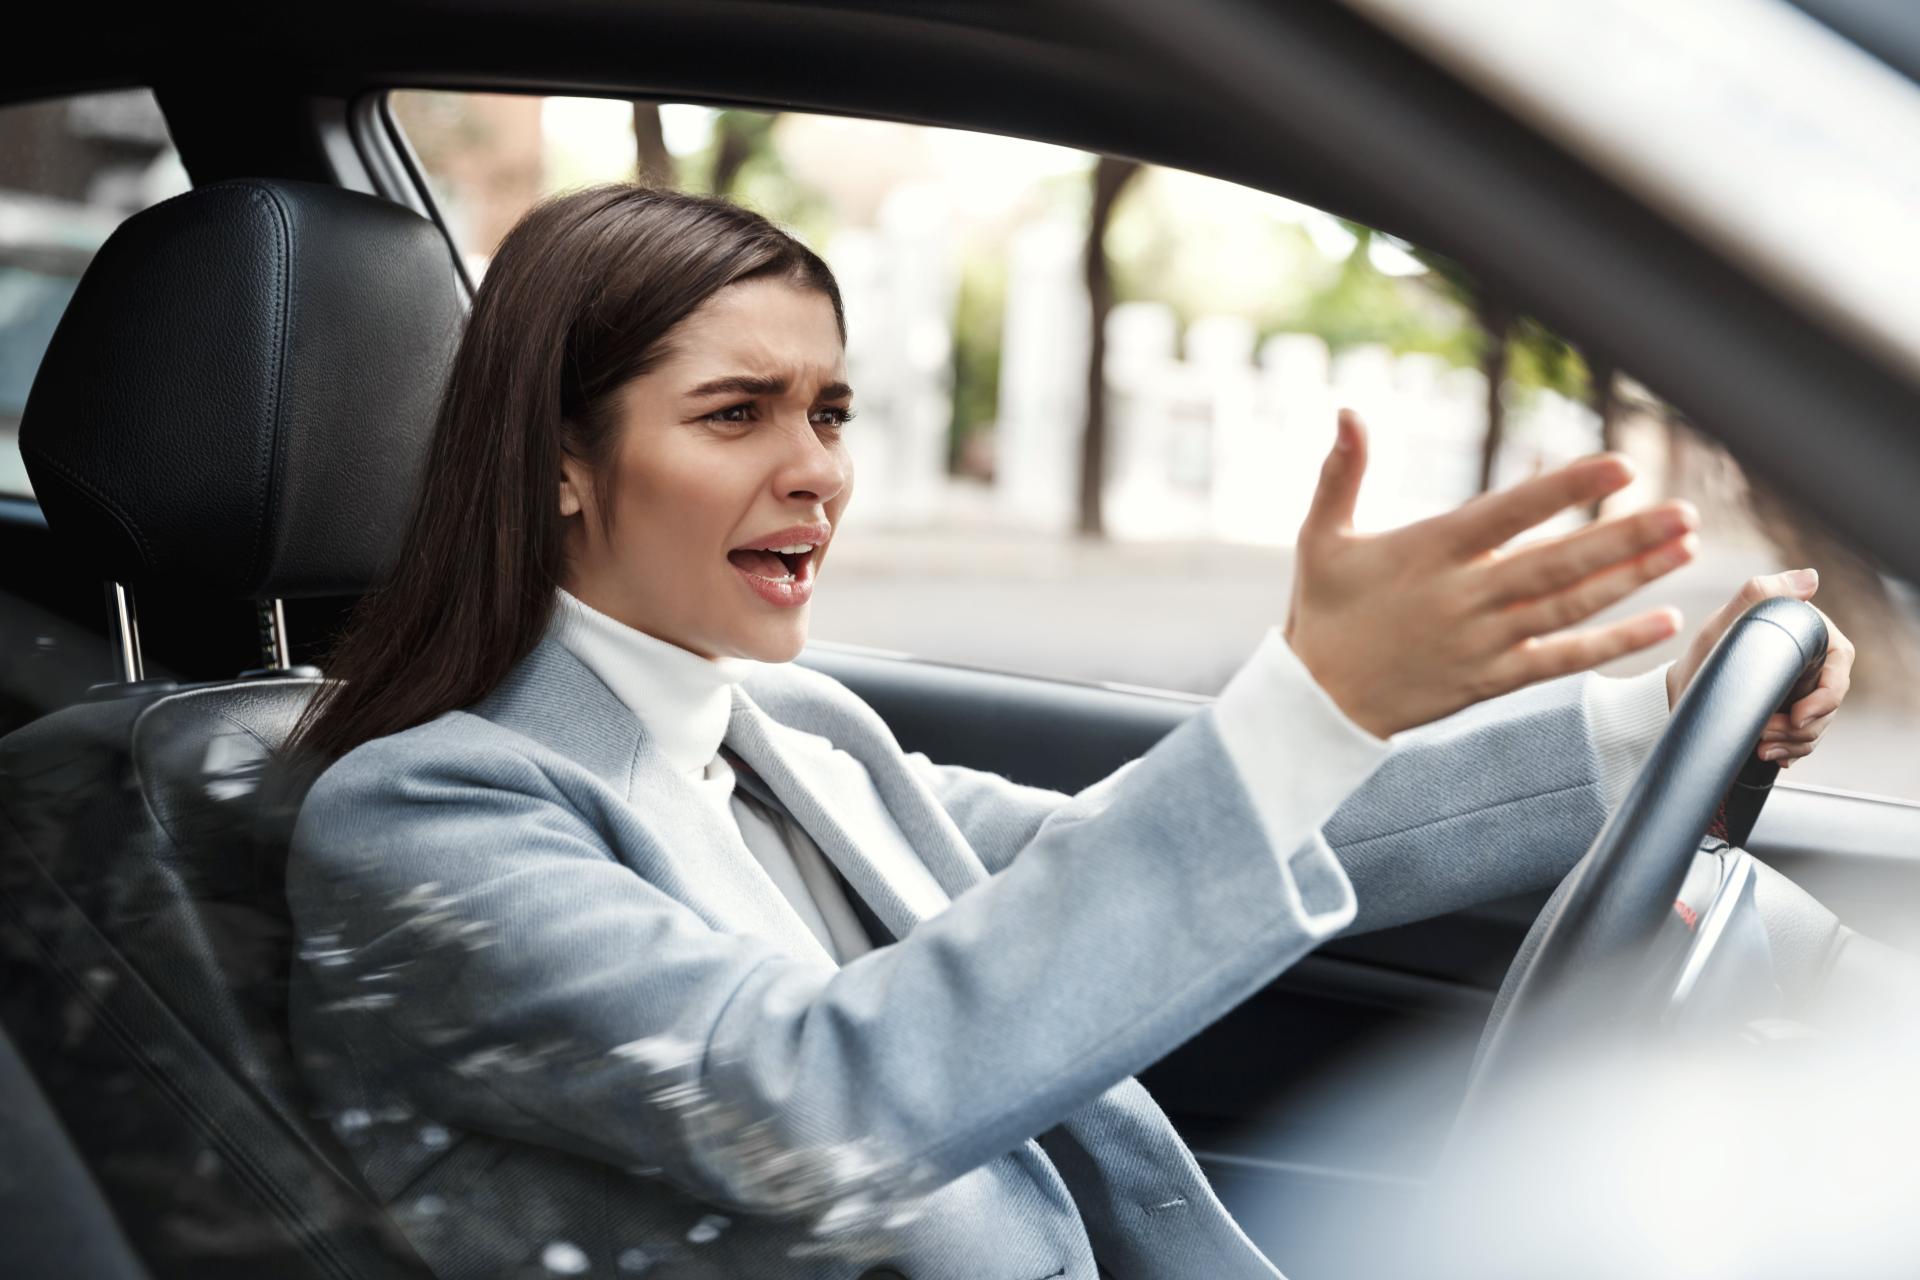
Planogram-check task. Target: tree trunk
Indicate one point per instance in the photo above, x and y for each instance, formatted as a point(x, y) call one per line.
point(736, 147)
point(653, 162)
point(1603, 394)
point(1495, 320)
point(1110, 177)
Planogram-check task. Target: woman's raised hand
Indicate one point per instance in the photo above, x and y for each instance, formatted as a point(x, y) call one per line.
point(1405, 627)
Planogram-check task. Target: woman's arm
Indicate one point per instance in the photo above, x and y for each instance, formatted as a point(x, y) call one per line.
point(525, 982)
point(1500, 799)
point(1261, 714)
point(1497, 800)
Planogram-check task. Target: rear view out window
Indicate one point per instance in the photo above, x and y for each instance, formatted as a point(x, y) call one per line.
point(71, 169)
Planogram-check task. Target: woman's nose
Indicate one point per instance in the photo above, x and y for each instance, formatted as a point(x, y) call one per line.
point(813, 465)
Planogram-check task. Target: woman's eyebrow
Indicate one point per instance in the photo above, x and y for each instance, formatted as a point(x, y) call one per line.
point(743, 384)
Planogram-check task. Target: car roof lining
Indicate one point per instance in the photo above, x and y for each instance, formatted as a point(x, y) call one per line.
point(917, 63)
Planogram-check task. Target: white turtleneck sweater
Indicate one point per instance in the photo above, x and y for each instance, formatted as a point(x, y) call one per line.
point(685, 701)
point(1297, 752)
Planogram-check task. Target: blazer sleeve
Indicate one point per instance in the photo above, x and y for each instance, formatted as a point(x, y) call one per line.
point(491, 963)
point(1498, 800)
point(1282, 732)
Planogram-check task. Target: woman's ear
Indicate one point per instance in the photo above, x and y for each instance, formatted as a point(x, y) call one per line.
point(571, 487)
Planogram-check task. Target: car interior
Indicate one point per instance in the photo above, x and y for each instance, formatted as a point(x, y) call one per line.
point(223, 437)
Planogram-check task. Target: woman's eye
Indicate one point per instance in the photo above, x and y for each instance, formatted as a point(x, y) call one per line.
point(832, 417)
point(732, 413)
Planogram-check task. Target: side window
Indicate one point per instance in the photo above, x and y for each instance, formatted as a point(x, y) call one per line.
point(70, 170)
point(1004, 518)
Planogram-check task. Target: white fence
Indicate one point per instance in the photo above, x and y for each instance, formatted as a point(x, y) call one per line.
point(1210, 437)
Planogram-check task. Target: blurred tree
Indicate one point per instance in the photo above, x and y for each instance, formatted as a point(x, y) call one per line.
point(1110, 177)
point(979, 312)
point(1363, 304)
point(653, 163)
point(1360, 305)
point(739, 136)
point(1496, 349)
point(1605, 398)
point(742, 161)
point(1514, 349)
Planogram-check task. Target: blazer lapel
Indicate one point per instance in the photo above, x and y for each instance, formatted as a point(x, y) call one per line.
point(720, 869)
point(872, 819)
point(692, 849)
point(827, 794)
point(785, 697)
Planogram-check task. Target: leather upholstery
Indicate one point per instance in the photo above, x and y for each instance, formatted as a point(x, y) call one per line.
point(240, 391)
point(237, 399)
point(143, 963)
point(58, 1226)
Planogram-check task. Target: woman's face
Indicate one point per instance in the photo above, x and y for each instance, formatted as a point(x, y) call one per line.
point(730, 445)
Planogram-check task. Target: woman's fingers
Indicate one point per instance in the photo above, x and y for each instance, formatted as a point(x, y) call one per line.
point(1797, 584)
point(1339, 489)
point(1545, 657)
point(1787, 737)
point(1548, 566)
point(1589, 596)
point(1818, 705)
point(1781, 729)
point(1836, 677)
point(1491, 519)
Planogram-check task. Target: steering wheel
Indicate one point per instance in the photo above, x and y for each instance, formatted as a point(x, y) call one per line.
point(1596, 954)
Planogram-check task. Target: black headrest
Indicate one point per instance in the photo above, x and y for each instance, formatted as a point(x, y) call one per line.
point(240, 392)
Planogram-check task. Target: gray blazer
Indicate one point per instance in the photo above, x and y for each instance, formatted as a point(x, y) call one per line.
point(566, 1025)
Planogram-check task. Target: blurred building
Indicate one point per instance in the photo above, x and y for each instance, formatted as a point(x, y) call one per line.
point(71, 170)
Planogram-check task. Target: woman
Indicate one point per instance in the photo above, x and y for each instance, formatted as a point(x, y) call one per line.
point(628, 946)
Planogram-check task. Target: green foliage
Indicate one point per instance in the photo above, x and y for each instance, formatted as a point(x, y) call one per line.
point(1537, 357)
point(744, 143)
point(1362, 304)
point(1540, 358)
point(738, 136)
point(978, 311)
point(1441, 312)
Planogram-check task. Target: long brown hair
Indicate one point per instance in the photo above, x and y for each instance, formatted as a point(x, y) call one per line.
point(575, 303)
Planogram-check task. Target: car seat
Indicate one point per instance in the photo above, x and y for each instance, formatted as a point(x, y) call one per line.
point(236, 401)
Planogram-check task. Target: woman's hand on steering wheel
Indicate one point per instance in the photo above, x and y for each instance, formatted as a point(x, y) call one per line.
point(1405, 627)
point(1791, 734)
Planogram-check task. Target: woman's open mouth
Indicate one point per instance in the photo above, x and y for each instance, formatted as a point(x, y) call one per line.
point(781, 577)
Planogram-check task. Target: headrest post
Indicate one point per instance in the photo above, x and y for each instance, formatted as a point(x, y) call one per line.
point(275, 652)
point(123, 633)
